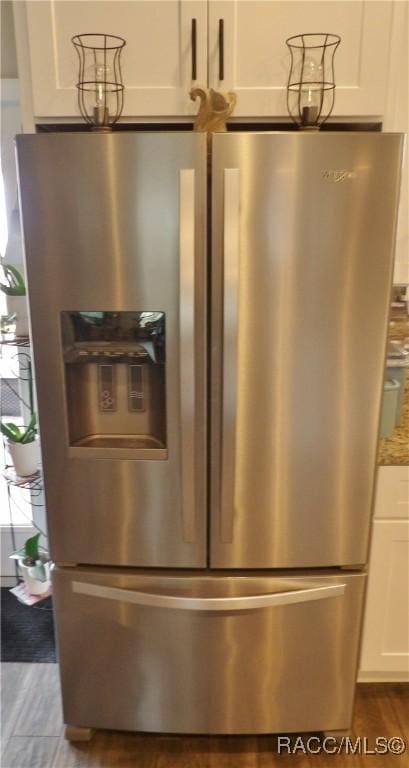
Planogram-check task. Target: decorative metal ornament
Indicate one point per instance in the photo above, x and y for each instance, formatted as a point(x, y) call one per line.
point(311, 81)
point(100, 86)
point(214, 110)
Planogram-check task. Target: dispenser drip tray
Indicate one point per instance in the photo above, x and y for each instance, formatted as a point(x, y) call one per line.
point(120, 441)
point(119, 447)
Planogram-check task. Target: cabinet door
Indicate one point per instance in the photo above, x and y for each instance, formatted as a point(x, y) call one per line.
point(256, 60)
point(386, 629)
point(392, 493)
point(157, 59)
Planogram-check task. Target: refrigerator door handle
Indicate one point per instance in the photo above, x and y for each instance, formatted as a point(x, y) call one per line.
point(187, 348)
point(231, 259)
point(245, 603)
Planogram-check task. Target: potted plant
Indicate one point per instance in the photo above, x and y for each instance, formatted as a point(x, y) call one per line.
point(6, 323)
point(34, 563)
point(23, 446)
point(14, 287)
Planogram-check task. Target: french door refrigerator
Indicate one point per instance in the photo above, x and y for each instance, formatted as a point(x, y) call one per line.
point(209, 320)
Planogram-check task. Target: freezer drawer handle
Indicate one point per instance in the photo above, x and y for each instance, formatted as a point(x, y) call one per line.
point(249, 602)
point(187, 348)
point(231, 261)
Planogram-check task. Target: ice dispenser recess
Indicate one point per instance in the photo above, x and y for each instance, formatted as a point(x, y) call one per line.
point(115, 384)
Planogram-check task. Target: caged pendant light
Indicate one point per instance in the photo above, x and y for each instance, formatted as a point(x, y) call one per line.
point(100, 86)
point(311, 81)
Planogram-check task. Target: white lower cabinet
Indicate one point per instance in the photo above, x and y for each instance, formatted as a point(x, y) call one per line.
point(385, 643)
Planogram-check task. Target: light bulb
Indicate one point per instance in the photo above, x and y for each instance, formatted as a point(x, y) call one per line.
point(312, 71)
point(98, 73)
point(101, 76)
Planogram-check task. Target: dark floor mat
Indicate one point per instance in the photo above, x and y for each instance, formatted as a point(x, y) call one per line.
point(27, 632)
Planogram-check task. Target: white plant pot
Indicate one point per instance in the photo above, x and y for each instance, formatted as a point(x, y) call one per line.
point(35, 586)
point(18, 305)
point(25, 457)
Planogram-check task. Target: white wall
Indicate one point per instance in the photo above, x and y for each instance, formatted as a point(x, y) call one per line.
point(8, 41)
point(397, 119)
point(10, 126)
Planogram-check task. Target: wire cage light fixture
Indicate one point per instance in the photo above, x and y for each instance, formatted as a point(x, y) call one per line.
point(311, 80)
point(100, 87)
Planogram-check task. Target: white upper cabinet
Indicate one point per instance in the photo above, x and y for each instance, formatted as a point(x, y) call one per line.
point(240, 46)
point(257, 60)
point(157, 61)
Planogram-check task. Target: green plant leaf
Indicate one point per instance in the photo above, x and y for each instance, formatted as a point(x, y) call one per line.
point(14, 285)
point(6, 321)
point(20, 554)
point(29, 434)
point(31, 547)
point(29, 437)
point(15, 429)
point(11, 431)
point(6, 431)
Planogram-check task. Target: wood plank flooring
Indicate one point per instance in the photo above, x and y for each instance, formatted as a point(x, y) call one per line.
point(32, 734)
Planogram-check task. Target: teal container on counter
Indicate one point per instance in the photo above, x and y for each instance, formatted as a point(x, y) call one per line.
point(397, 365)
point(391, 389)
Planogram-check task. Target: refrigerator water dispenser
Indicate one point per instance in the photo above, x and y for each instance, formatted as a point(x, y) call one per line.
point(115, 383)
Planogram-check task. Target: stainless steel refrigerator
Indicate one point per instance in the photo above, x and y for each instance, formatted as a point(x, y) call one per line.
point(209, 320)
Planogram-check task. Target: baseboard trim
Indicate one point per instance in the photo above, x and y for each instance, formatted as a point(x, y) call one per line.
point(384, 677)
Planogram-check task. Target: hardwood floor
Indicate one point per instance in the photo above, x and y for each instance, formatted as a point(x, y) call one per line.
point(32, 734)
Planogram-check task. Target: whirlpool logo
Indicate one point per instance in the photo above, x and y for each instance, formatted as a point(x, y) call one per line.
point(337, 176)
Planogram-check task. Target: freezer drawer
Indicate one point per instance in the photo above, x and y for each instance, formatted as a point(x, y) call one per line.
point(207, 654)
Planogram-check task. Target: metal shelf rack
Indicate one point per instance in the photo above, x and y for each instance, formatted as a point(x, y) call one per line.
point(20, 388)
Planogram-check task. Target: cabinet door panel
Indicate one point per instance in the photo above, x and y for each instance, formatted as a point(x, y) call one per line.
point(157, 59)
point(386, 630)
point(392, 493)
point(256, 58)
